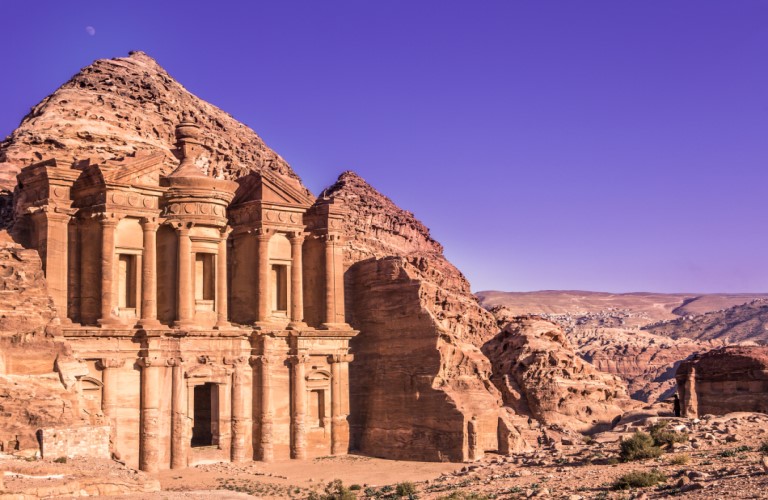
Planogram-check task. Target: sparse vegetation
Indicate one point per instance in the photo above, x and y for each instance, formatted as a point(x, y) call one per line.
point(763, 448)
point(681, 459)
point(355, 487)
point(727, 453)
point(743, 449)
point(664, 436)
point(640, 446)
point(639, 479)
point(61, 460)
point(335, 490)
point(406, 489)
point(464, 495)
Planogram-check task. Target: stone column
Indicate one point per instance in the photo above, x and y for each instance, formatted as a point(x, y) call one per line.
point(109, 393)
point(339, 403)
point(473, 440)
point(297, 285)
point(330, 282)
point(263, 295)
point(108, 226)
point(221, 282)
point(56, 260)
point(184, 291)
point(266, 453)
point(73, 272)
point(179, 435)
point(690, 397)
point(149, 275)
point(298, 416)
point(149, 434)
point(241, 408)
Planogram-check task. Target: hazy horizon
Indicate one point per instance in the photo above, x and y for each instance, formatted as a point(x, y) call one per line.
point(547, 145)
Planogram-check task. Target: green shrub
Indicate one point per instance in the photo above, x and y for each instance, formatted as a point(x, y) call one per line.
point(639, 479)
point(406, 489)
point(355, 487)
point(680, 459)
point(743, 448)
point(640, 446)
point(662, 436)
point(763, 448)
point(61, 460)
point(335, 490)
point(727, 453)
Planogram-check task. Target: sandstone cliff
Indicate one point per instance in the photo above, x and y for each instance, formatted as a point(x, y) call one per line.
point(116, 107)
point(539, 374)
point(417, 376)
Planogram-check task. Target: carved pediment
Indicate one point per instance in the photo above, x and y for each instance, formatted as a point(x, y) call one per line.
point(269, 188)
point(137, 171)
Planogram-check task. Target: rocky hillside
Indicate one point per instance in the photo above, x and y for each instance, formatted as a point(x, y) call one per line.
point(116, 107)
point(539, 374)
point(737, 324)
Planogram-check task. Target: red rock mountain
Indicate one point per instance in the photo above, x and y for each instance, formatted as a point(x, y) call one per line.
point(117, 107)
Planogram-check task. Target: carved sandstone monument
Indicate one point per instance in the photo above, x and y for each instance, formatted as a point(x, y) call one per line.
point(203, 304)
point(733, 378)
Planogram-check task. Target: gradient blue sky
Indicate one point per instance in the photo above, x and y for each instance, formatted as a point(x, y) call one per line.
point(600, 145)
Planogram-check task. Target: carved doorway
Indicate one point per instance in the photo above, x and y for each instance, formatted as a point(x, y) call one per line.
point(205, 427)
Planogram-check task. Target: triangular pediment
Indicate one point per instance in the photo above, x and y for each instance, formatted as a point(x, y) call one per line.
point(267, 187)
point(136, 171)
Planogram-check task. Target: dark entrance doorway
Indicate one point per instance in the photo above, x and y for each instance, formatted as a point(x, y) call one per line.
point(206, 417)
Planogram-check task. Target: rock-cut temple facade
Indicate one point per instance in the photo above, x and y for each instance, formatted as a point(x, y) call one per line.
point(206, 315)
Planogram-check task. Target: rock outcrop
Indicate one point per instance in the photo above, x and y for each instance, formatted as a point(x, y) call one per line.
point(420, 386)
point(729, 379)
point(118, 107)
point(539, 374)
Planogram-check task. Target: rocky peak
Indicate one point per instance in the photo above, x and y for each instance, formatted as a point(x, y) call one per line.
point(377, 226)
point(127, 105)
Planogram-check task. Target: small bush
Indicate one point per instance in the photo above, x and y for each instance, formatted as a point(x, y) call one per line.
point(763, 448)
point(463, 495)
point(680, 459)
point(640, 446)
point(355, 487)
point(743, 449)
point(639, 479)
point(727, 453)
point(406, 489)
point(335, 490)
point(61, 460)
point(662, 436)
point(370, 492)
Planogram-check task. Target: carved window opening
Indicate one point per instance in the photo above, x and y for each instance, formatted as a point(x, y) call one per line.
point(317, 408)
point(205, 285)
point(126, 281)
point(205, 427)
point(279, 280)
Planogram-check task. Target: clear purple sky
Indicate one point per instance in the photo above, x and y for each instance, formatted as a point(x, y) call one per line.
point(602, 145)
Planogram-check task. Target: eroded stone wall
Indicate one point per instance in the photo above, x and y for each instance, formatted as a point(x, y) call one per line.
point(88, 441)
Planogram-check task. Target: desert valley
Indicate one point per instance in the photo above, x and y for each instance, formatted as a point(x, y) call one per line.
point(180, 317)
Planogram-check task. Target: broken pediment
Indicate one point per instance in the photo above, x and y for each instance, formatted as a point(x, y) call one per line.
point(267, 187)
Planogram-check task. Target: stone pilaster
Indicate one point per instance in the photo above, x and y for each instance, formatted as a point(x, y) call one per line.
point(149, 433)
point(184, 290)
point(339, 403)
point(334, 283)
point(149, 275)
point(297, 285)
point(54, 249)
point(242, 387)
point(265, 450)
point(109, 393)
point(179, 432)
point(262, 244)
point(108, 225)
point(221, 282)
point(298, 416)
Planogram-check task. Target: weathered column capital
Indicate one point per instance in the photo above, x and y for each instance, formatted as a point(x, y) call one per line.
point(236, 361)
point(297, 237)
point(225, 232)
point(108, 218)
point(298, 359)
point(340, 358)
point(105, 363)
point(263, 233)
point(181, 227)
point(331, 237)
point(262, 360)
point(155, 362)
point(149, 223)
